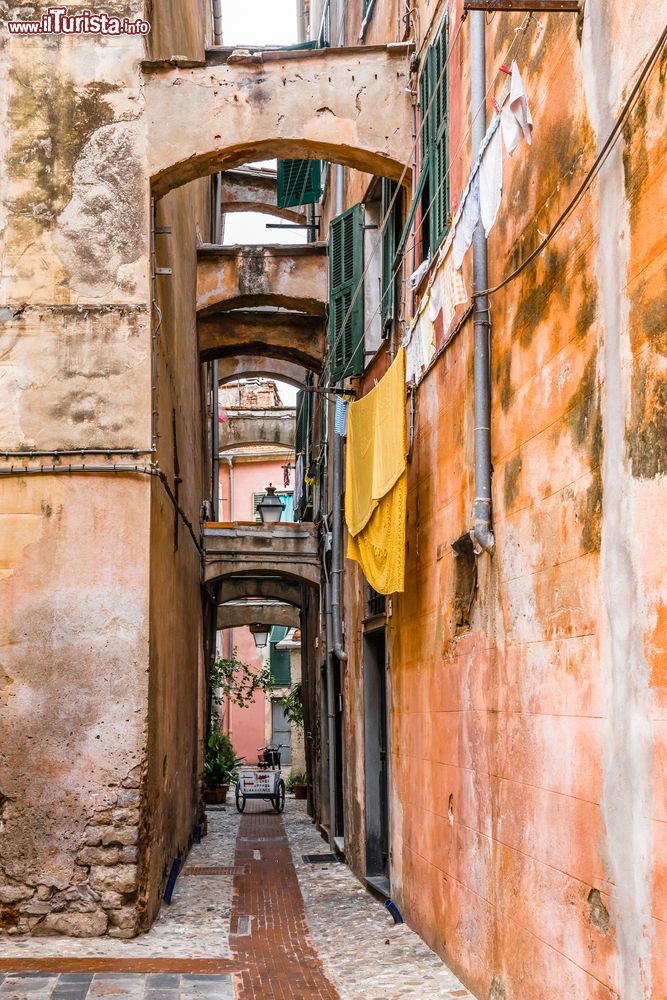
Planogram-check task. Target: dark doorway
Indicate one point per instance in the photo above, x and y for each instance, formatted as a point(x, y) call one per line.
point(339, 818)
point(376, 761)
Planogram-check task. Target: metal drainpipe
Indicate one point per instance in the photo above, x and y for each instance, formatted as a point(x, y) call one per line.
point(215, 434)
point(217, 22)
point(482, 532)
point(331, 720)
point(230, 462)
point(337, 547)
point(300, 21)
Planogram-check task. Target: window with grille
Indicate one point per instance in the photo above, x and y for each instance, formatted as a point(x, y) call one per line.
point(434, 144)
point(346, 300)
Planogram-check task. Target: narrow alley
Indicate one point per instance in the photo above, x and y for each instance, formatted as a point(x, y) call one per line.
point(333, 470)
point(250, 919)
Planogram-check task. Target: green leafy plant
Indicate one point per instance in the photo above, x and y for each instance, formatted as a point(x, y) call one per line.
point(221, 765)
point(232, 678)
point(294, 705)
point(296, 778)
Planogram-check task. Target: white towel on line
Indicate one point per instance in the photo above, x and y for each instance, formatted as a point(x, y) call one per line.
point(491, 181)
point(515, 119)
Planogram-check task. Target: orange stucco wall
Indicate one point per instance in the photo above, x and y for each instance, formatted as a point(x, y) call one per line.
point(528, 753)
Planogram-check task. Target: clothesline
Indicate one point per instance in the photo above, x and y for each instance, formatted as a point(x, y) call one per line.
point(480, 199)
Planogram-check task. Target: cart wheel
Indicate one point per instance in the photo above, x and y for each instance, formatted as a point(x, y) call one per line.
point(240, 799)
point(279, 798)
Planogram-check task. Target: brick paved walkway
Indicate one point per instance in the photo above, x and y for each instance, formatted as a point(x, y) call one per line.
point(249, 921)
point(269, 930)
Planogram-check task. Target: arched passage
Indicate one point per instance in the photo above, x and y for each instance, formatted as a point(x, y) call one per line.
point(244, 428)
point(286, 277)
point(235, 614)
point(237, 366)
point(287, 550)
point(345, 105)
point(269, 588)
point(254, 189)
point(294, 337)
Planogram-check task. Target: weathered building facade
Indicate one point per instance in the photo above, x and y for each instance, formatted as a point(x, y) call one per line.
point(488, 744)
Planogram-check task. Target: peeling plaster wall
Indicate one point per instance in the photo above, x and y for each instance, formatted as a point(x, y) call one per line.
point(177, 687)
point(100, 634)
point(528, 761)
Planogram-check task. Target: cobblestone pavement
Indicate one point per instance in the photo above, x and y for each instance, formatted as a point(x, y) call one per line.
point(239, 929)
point(367, 955)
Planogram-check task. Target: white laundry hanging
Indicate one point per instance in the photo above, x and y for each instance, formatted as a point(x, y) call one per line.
point(515, 119)
point(491, 181)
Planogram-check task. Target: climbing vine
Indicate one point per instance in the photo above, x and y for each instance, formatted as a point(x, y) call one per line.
point(294, 705)
point(232, 678)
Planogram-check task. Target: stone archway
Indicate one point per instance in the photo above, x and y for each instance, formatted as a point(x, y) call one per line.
point(278, 275)
point(235, 614)
point(245, 427)
point(290, 551)
point(269, 588)
point(237, 366)
point(254, 189)
point(294, 337)
point(346, 105)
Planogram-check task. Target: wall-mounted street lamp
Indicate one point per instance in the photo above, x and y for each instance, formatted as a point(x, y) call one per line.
point(271, 507)
point(260, 634)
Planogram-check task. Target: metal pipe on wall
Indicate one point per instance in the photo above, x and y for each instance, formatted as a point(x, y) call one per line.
point(217, 22)
point(300, 21)
point(331, 694)
point(482, 532)
point(215, 434)
point(337, 546)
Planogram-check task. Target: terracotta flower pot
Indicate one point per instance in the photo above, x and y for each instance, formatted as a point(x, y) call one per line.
point(300, 791)
point(216, 796)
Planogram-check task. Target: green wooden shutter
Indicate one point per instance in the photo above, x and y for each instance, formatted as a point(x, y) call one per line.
point(299, 182)
point(389, 243)
point(439, 141)
point(279, 659)
point(346, 257)
point(302, 446)
point(434, 142)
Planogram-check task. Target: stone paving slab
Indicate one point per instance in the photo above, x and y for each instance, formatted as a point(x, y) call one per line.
point(100, 986)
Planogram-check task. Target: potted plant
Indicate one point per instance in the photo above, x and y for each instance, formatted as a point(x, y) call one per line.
point(297, 783)
point(221, 767)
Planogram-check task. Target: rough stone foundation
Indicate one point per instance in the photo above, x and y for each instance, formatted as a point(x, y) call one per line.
point(103, 896)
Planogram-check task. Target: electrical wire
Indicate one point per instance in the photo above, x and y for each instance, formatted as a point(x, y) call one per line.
point(519, 37)
point(593, 170)
point(409, 246)
point(390, 207)
point(116, 468)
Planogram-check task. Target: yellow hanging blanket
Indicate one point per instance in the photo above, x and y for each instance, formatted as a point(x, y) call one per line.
point(376, 487)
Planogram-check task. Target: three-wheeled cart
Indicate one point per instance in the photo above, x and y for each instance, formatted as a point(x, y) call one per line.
point(263, 781)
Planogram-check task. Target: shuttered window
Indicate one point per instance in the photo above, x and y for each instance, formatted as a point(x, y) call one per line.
point(299, 182)
point(279, 659)
point(390, 237)
point(346, 318)
point(433, 91)
point(304, 402)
